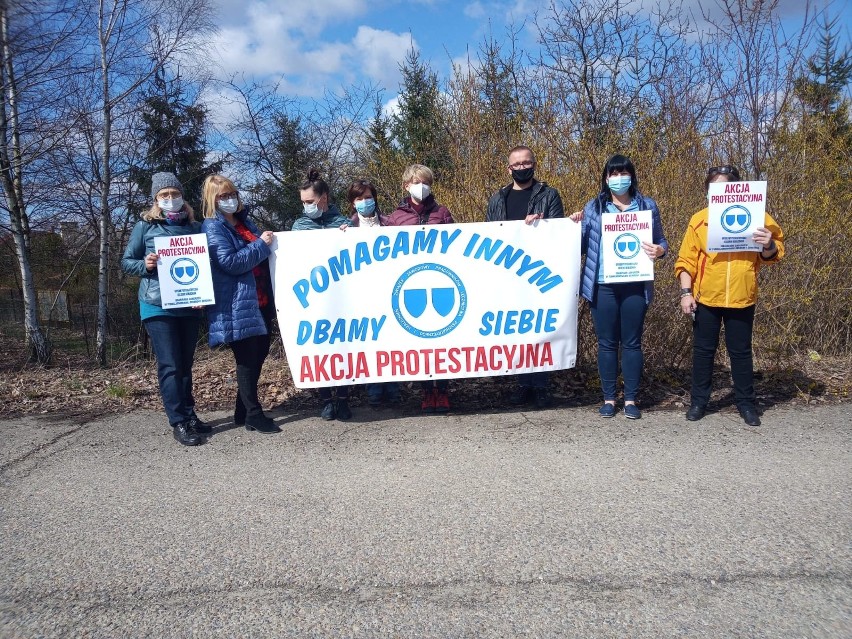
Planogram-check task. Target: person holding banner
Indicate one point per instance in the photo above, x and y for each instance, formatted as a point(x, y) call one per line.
point(618, 307)
point(364, 212)
point(319, 213)
point(173, 331)
point(719, 288)
point(420, 207)
point(242, 313)
point(529, 200)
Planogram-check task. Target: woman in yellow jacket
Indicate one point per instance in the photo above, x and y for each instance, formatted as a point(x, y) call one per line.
point(722, 287)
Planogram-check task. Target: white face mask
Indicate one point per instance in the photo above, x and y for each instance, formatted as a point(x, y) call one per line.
point(229, 206)
point(170, 205)
point(312, 211)
point(420, 191)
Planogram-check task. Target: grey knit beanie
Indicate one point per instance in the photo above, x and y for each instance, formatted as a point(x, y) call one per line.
point(162, 181)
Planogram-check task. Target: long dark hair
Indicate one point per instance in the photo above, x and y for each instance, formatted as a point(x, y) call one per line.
point(619, 162)
point(314, 182)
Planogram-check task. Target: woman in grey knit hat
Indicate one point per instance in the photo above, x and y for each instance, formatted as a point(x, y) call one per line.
point(173, 331)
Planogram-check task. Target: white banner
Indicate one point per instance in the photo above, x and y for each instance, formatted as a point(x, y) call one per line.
point(183, 269)
point(622, 235)
point(427, 302)
point(737, 210)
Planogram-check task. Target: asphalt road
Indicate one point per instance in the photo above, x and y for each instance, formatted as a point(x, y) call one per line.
point(518, 524)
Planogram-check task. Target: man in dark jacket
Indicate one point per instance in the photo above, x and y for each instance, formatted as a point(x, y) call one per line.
point(525, 199)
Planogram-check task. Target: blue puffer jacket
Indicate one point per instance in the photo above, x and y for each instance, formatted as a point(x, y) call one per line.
point(591, 243)
point(141, 243)
point(235, 315)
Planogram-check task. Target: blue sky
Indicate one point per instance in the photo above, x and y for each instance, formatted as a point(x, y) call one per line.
point(314, 43)
point(309, 45)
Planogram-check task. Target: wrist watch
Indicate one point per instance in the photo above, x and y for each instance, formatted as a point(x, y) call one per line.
point(685, 291)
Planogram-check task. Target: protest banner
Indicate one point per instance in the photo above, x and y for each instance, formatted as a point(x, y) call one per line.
point(427, 302)
point(622, 235)
point(736, 211)
point(183, 269)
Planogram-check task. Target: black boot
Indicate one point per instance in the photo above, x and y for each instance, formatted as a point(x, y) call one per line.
point(254, 418)
point(239, 411)
point(185, 435)
point(262, 424)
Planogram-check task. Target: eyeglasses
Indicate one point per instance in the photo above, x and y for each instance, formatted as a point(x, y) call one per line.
point(522, 165)
point(228, 196)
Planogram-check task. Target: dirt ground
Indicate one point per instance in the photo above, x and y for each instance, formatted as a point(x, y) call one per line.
point(74, 385)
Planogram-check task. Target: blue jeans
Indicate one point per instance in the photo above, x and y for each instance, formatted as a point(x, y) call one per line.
point(389, 389)
point(534, 380)
point(618, 313)
point(739, 323)
point(174, 339)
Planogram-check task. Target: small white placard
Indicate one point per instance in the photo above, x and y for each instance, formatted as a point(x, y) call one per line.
point(736, 211)
point(184, 270)
point(622, 235)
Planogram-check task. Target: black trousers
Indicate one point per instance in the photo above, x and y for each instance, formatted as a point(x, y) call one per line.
point(739, 323)
point(250, 354)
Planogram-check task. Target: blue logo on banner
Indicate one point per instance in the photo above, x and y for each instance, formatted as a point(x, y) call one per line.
point(416, 288)
point(626, 246)
point(184, 271)
point(736, 219)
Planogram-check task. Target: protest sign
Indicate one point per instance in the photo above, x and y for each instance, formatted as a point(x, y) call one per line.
point(622, 235)
point(183, 269)
point(736, 211)
point(427, 302)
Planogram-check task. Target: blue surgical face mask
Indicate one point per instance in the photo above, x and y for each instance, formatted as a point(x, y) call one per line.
point(366, 207)
point(619, 184)
point(312, 211)
point(229, 206)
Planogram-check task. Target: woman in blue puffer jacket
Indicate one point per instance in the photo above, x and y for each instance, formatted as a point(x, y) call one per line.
point(173, 331)
point(243, 312)
point(618, 309)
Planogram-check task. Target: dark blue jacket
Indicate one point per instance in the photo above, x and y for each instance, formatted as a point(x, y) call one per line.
point(591, 243)
point(235, 315)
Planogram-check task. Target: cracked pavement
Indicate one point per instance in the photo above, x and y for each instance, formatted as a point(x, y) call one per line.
point(537, 524)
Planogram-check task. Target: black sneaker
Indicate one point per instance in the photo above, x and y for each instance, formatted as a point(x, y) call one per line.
point(343, 411)
point(184, 434)
point(327, 412)
point(198, 426)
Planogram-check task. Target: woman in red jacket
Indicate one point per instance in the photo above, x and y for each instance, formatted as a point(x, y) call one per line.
point(420, 207)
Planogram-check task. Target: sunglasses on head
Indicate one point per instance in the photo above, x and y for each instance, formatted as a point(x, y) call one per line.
point(721, 170)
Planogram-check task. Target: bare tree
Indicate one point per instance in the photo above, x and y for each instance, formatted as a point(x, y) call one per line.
point(135, 38)
point(757, 62)
point(36, 45)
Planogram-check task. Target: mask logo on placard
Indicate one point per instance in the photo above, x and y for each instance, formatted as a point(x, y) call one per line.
point(184, 271)
point(736, 219)
point(627, 246)
point(419, 286)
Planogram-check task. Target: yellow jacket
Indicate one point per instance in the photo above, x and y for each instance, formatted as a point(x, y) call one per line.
point(723, 279)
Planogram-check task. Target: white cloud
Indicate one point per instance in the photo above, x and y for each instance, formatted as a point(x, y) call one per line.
point(378, 53)
point(391, 107)
point(475, 10)
point(289, 45)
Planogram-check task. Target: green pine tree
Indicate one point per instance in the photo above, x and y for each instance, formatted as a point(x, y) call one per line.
point(418, 128)
point(174, 132)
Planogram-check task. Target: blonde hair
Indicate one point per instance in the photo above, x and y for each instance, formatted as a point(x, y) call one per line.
point(211, 188)
point(419, 171)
